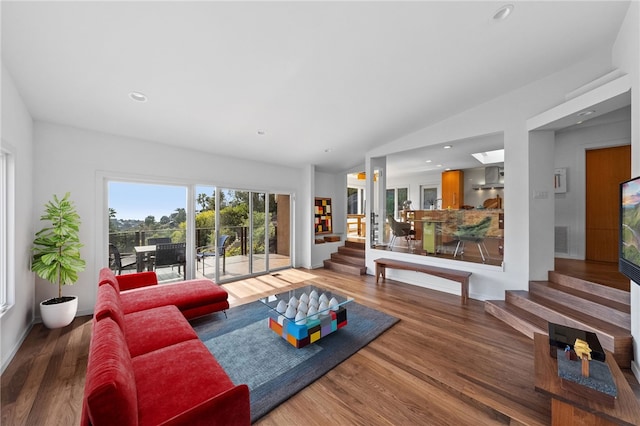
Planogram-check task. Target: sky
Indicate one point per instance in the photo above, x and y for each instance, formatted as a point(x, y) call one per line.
point(137, 200)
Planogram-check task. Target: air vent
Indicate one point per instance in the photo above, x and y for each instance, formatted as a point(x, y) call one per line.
point(562, 239)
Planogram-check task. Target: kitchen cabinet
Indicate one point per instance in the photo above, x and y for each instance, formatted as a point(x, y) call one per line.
point(452, 189)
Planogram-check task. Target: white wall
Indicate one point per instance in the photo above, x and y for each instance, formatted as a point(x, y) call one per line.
point(75, 160)
point(541, 222)
point(507, 114)
point(332, 186)
point(626, 56)
point(614, 129)
point(17, 134)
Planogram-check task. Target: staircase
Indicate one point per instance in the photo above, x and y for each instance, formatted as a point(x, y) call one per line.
point(349, 259)
point(572, 302)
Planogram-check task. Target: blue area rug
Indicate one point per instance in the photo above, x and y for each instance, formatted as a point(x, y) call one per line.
point(273, 369)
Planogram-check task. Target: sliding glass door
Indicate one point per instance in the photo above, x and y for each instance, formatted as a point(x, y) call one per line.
point(249, 234)
point(141, 216)
point(231, 233)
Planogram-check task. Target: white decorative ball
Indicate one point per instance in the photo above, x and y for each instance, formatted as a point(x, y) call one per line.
point(293, 302)
point(323, 298)
point(313, 295)
point(314, 303)
point(302, 307)
point(323, 306)
point(282, 307)
point(304, 298)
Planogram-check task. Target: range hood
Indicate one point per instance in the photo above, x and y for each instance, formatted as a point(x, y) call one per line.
point(492, 177)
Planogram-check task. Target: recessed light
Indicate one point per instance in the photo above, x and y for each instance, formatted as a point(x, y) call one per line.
point(447, 147)
point(138, 97)
point(503, 13)
point(438, 165)
point(585, 113)
point(427, 161)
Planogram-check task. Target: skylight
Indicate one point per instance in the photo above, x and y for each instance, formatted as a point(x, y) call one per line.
point(490, 157)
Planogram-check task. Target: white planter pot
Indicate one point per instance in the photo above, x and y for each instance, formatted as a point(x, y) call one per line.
point(59, 314)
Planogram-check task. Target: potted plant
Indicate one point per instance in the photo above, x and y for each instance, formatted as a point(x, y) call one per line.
point(56, 258)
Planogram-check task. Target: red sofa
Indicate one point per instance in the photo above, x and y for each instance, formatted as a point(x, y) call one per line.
point(147, 366)
point(141, 291)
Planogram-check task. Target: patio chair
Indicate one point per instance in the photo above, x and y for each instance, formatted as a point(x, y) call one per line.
point(173, 254)
point(474, 233)
point(210, 251)
point(118, 262)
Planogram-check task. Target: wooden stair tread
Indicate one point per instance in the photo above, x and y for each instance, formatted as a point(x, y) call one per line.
point(604, 301)
point(520, 319)
point(353, 252)
point(355, 245)
point(339, 257)
point(589, 321)
point(341, 266)
point(614, 294)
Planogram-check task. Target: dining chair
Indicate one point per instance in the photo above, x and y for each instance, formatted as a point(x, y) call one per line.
point(118, 262)
point(475, 233)
point(400, 229)
point(172, 254)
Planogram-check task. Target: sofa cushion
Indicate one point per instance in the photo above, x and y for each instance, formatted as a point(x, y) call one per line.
point(106, 276)
point(108, 305)
point(152, 329)
point(110, 386)
point(137, 280)
point(176, 378)
point(185, 295)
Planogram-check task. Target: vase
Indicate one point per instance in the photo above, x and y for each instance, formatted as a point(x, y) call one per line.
point(58, 315)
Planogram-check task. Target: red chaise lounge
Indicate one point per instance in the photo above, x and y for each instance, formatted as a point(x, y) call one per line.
point(146, 364)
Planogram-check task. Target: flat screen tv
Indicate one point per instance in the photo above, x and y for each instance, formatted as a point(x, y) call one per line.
point(629, 259)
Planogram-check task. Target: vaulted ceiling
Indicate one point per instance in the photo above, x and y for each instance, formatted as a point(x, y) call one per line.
point(289, 83)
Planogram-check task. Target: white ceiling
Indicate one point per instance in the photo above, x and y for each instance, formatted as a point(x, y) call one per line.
point(314, 76)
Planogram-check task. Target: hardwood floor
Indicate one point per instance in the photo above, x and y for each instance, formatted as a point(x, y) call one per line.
point(442, 364)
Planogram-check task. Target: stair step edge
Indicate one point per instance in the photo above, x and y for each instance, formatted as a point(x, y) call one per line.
point(555, 288)
point(563, 314)
point(620, 296)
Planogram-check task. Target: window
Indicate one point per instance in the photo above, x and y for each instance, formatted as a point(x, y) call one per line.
point(6, 231)
point(395, 200)
point(355, 200)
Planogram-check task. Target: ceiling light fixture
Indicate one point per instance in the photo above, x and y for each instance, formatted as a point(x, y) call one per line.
point(427, 161)
point(447, 147)
point(138, 97)
point(585, 113)
point(503, 13)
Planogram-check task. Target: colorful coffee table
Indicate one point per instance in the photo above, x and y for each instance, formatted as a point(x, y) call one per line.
point(292, 317)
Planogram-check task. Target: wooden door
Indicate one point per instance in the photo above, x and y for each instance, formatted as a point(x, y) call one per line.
point(605, 169)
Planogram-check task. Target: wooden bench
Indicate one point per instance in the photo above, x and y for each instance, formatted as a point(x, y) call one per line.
point(450, 274)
